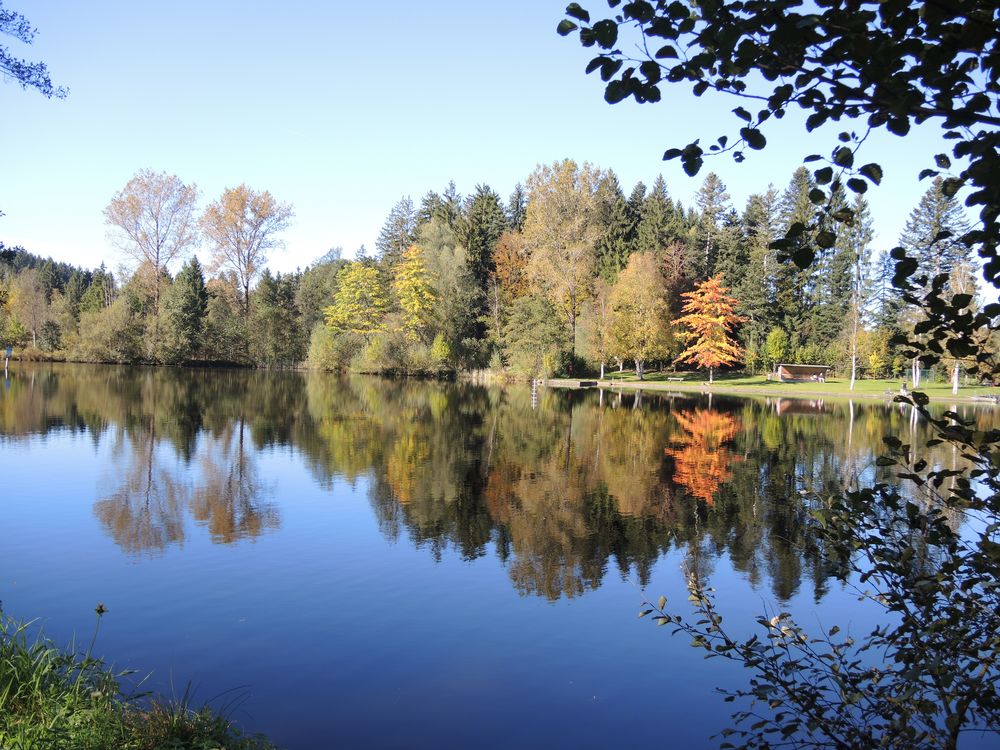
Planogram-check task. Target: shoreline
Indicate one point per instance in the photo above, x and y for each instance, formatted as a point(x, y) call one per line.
point(780, 390)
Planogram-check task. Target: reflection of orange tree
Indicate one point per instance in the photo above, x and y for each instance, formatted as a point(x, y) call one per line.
point(701, 460)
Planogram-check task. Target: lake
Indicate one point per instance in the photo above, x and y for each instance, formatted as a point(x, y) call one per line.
point(347, 562)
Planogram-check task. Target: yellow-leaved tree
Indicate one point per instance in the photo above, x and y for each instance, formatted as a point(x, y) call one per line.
point(709, 319)
point(637, 326)
point(361, 301)
point(412, 284)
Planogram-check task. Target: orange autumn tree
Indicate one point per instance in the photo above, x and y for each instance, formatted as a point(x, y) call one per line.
point(708, 322)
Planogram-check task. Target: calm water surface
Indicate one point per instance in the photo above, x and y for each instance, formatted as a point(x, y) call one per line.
point(363, 562)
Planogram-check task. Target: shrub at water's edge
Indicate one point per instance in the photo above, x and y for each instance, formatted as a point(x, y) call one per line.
point(59, 698)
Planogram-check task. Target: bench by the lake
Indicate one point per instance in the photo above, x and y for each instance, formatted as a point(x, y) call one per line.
point(676, 380)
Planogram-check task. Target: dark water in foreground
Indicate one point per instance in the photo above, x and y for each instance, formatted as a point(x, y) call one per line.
point(385, 564)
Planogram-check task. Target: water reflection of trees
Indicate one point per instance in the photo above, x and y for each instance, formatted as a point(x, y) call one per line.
point(562, 491)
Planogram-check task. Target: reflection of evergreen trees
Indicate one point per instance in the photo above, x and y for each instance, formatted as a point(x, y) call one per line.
point(561, 492)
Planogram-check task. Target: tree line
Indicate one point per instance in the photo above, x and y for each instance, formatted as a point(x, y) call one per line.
point(568, 275)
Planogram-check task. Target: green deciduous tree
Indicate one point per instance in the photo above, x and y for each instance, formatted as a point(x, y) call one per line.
point(534, 336)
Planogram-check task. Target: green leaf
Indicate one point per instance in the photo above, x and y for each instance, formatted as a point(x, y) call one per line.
point(843, 157)
point(692, 165)
point(950, 187)
point(574, 9)
point(742, 114)
point(873, 172)
point(565, 27)
point(606, 33)
point(754, 138)
point(615, 92)
point(825, 238)
point(651, 70)
point(803, 257)
point(857, 186)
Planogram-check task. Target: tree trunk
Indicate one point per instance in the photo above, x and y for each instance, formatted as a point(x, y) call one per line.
point(854, 352)
point(711, 375)
point(955, 377)
point(602, 369)
point(638, 368)
point(915, 376)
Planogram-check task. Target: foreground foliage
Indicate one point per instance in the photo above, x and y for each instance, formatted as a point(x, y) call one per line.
point(51, 698)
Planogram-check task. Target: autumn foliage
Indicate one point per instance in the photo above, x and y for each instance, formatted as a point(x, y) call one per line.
point(709, 319)
point(701, 459)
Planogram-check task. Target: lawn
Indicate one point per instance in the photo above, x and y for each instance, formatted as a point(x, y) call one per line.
point(761, 384)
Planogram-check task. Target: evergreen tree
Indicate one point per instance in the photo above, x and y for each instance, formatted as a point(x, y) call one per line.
point(653, 231)
point(478, 231)
point(755, 286)
point(317, 287)
point(517, 208)
point(615, 244)
point(713, 205)
point(633, 209)
point(733, 257)
point(792, 289)
point(833, 272)
point(431, 205)
point(886, 302)
point(446, 207)
point(101, 292)
point(398, 233)
point(936, 213)
point(932, 236)
point(74, 291)
point(185, 306)
point(277, 337)
point(451, 209)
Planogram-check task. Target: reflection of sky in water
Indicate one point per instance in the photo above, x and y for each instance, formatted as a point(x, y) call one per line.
point(414, 564)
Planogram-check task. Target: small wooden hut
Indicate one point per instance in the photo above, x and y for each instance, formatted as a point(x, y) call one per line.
point(802, 373)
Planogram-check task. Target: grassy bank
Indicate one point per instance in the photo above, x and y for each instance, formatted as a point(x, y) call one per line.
point(760, 385)
point(59, 699)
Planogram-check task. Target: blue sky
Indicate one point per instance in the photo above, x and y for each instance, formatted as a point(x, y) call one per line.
point(341, 109)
